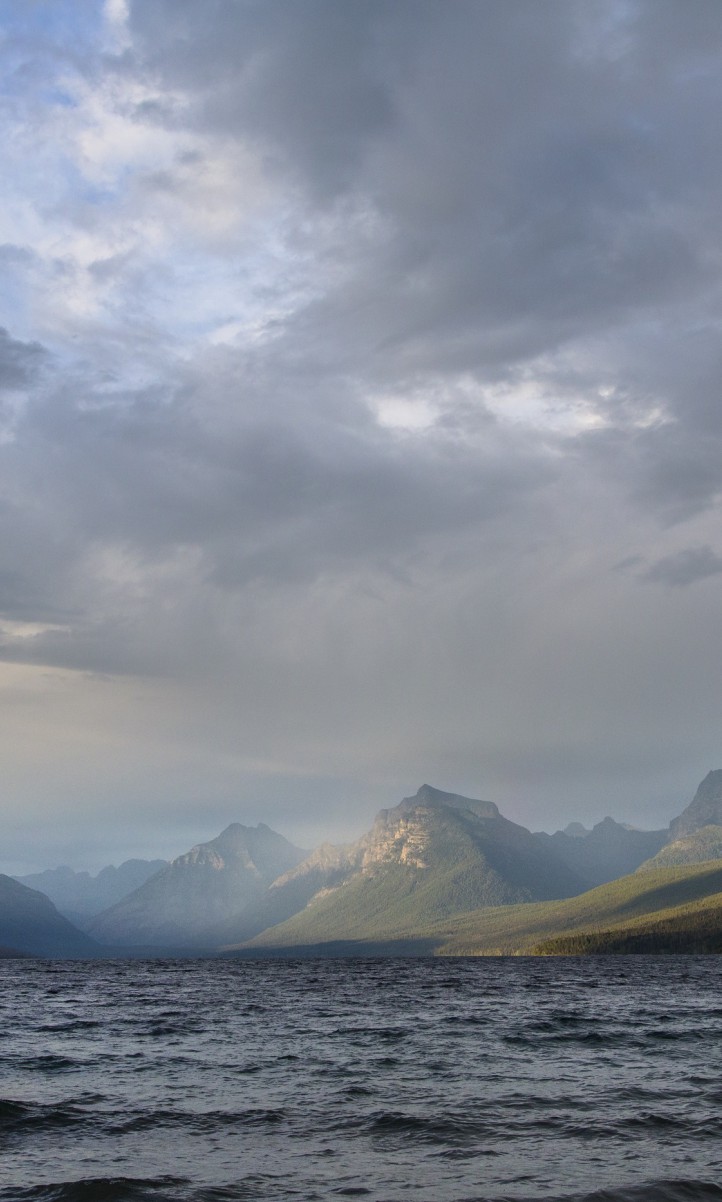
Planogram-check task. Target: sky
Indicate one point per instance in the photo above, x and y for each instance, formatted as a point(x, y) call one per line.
point(360, 414)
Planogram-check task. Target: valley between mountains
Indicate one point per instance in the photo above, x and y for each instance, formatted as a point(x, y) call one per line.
point(437, 874)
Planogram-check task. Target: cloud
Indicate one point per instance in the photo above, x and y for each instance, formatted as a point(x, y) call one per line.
point(19, 361)
point(685, 567)
point(359, 362)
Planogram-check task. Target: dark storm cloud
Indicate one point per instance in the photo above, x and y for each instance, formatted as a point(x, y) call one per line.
point(526, 171)
point(479, 187)
point(505, 186)
point(500, 187)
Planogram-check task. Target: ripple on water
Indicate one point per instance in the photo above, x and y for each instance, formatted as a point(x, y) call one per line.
point(485, 1081)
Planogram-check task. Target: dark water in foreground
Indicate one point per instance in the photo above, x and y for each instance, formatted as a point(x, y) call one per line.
point(427, 1080)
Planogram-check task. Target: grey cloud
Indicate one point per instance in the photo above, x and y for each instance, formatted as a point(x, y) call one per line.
point(105, 648)
point(325, 100)
point(685, 567)
point(507, 212)
point(630, 561)
point(491, 222)
point(268, 492)
point(13, 256)
point(19, 361)
point(670, 469)
point(25, 599)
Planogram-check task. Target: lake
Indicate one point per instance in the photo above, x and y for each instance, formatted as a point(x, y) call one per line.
point(432, 1080)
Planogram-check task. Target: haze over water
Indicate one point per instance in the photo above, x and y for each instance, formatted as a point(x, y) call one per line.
point(432, 1080)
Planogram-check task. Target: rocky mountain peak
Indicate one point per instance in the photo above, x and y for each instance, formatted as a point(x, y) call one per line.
point(428, 796)
point(609, 828)
point(705, 808)
point(233, 836)
point(192, 899)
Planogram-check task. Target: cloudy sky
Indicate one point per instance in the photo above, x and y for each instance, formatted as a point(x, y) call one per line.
point(360, 414)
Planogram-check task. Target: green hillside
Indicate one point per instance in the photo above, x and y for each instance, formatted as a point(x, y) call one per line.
point(382, 906)
point(681, 930)
point(498, 930)
point(704, 844)
point(523, 929)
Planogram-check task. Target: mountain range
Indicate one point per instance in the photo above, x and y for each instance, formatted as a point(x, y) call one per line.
point(436, 872)
point(193, 901)
point(79, 896)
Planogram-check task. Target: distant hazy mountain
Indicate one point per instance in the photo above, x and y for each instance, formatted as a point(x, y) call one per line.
point(610, 850)
point(704, 844)
point(705, 808)
point(432, 856)
point(191, 901)
point(79, 896)
point(576, 830)
point(30, 923)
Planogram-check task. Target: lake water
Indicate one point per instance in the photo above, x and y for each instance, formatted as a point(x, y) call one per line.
point(386, 1080)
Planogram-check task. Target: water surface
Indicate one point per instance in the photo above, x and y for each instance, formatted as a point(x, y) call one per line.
point(435, 1080)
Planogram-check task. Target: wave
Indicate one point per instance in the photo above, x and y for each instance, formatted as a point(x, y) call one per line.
point(49, 1062)
point(651, 1191)
point(17, 1117)
point(198, 1120)
point(103, 1189)
point(254, 1189)
point(146, 1189)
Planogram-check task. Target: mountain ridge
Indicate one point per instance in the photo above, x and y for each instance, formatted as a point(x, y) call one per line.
point(189, 902)
point(430, 858)
point(705, 808)
point(31, 925)
point(423, 857)
point(78, 896)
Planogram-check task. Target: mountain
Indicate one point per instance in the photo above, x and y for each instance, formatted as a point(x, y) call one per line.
point(437, 871)
point(610, 850)
point(669, 909)
point(79, 896)
point(704, 844)
point(705, 808)
point(433, 855)
point(576, 830)
point(641, 900)
point(30, 923)
point(191, 901)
